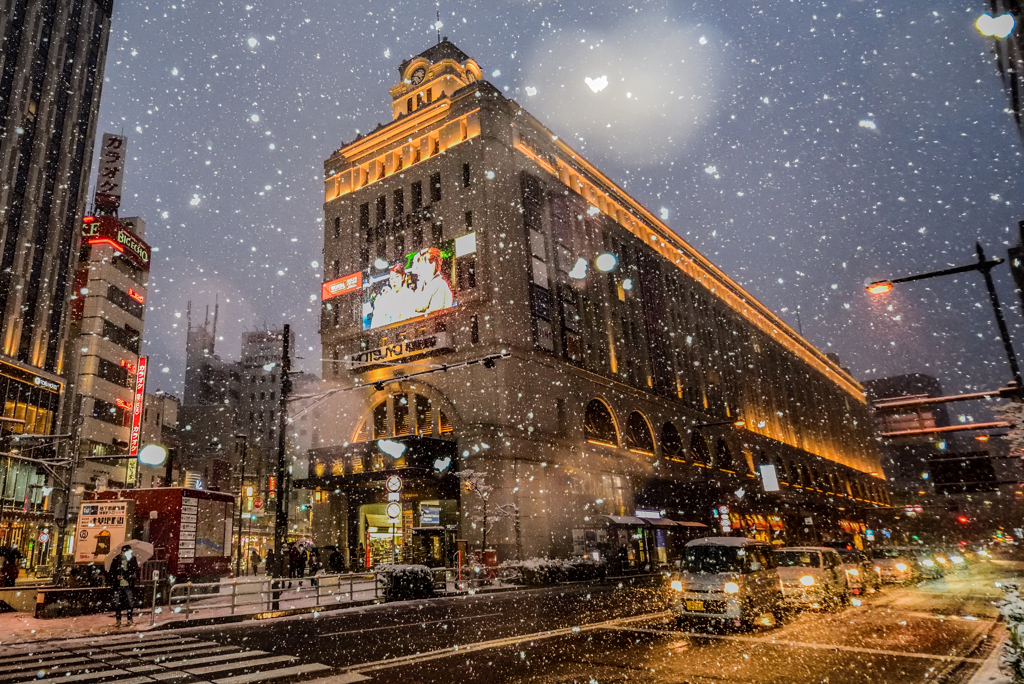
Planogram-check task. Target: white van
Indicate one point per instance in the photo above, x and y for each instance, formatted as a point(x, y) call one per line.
point(812, 577)
point(728, 580)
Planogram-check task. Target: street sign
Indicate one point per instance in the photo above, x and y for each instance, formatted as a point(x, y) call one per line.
point(43, 537)
point(257, 503)
point(393, 483)
point(394, 511)
point(259, 507)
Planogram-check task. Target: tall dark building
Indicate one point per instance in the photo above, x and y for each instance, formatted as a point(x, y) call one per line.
point(52, 54)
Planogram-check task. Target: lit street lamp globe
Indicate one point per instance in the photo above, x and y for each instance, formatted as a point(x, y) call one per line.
point(152, 455)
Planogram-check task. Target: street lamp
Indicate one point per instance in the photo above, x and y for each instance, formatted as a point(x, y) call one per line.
point(983, 266)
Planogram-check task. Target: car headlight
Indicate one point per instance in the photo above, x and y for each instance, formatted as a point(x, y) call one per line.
point(928, 561)
point(853, 572)
point(807, 580)
point(731, 588)
point(902, 567)
point(957, 559)
point(677, 585)
point(941, 559)
point(878, 570)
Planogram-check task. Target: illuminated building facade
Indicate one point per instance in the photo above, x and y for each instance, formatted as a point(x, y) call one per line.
point(108, 311)
point(51, 73)
point(465, 228)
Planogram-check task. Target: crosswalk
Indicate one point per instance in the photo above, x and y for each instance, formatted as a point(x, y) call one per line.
point(147, 659)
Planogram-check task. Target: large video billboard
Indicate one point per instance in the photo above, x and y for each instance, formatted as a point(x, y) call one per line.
point(418, 284)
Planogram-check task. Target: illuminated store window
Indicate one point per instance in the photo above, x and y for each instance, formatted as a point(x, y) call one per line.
point(599, 424)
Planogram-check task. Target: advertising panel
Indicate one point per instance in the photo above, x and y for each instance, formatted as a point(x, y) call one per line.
point(343, 285)
point(111, 174)
point(101, 527)
point(140, 398)
point(416, 285)
point(107, 230)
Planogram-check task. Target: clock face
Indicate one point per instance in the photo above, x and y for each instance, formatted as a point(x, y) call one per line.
point(417, 76)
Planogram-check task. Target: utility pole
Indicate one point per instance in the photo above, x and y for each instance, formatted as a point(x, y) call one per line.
point(241, 442)
point(281, 472)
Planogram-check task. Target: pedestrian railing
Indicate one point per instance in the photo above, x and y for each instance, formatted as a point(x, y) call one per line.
point(194, 600)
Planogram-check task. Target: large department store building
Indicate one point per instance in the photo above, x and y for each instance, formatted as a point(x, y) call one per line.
point(642, 387)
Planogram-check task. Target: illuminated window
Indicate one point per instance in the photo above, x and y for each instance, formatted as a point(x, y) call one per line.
point(444, 425)
point(599, 424)
point(380, 421)
point(423, 415)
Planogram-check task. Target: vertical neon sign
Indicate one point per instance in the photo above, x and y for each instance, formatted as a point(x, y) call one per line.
point(140, 397)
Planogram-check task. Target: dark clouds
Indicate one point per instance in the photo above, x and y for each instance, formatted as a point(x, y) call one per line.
point(818, 144)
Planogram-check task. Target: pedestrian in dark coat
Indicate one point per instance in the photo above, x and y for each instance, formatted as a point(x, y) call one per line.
point(336, 561)
point(254, 561)
point(123, 571)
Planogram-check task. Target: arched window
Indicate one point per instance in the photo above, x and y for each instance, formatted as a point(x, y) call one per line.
point(671, 442)
point(699, 449)
point(599, 424)
point(723, 457)
point(638, 433)
point(411, 414)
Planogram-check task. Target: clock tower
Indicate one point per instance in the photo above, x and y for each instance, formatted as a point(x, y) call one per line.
point(434, 73)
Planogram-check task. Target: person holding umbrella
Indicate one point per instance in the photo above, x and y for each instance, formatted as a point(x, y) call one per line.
point(123, 570)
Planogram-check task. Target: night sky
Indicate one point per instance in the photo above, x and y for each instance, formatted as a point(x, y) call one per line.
point(804, 147)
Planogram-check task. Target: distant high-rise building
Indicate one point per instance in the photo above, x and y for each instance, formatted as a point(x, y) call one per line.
point(51, 72)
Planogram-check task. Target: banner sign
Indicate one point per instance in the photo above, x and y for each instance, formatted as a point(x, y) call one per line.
point(140, 398)
point(107, 230)
point(111, 175)
point(340, 286)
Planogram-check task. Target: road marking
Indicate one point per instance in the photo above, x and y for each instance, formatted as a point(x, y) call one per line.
point(241, 666)
point(217, 658)
point(80, 678)
point(273, 674)
point(410, 624)
point(347, 678)
point(497, 643)
point(762, 641)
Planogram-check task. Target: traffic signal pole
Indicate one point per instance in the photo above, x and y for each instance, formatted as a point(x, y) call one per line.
point(281, 472)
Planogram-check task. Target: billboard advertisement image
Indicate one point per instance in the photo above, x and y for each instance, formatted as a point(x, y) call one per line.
point(101, 527)
point(416, 285)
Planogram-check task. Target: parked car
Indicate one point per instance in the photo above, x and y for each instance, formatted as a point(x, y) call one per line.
point(730, 581)
point(895, 565)
point(860, 572)
point(812, 577)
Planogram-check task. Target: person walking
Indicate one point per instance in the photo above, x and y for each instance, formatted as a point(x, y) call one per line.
point(271, 566)
point(293, 561)
point(254, 561)
point(123, 570)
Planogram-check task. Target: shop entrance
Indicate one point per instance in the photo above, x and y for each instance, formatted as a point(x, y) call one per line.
point(382, 539)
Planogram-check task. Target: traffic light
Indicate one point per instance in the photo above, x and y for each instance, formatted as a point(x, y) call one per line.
point(963, 519)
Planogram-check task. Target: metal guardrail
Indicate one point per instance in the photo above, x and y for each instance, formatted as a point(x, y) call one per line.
point(243, 596)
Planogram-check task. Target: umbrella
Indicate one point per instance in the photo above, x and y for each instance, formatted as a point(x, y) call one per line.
point(143, 552)
point(303, 543)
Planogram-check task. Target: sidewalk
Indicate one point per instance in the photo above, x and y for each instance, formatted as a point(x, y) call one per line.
point(989, 672)
point(18, 628)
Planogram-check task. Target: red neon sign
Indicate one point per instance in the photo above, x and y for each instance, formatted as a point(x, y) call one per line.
point(272, 484)
point(107, 241)
point(121, 403)
point(136, 296)
point(89, 219)
point(129, 365)
point(140, 397)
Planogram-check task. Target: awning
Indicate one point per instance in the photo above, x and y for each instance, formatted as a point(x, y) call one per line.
point(660, 522)
point(624, 520)
point(689, 524)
